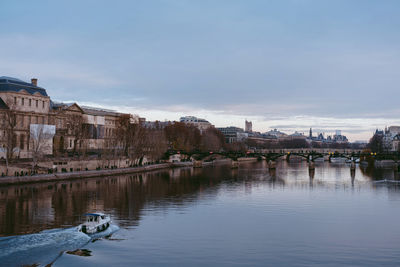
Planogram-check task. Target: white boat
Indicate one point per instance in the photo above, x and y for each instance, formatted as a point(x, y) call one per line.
point(95, 222)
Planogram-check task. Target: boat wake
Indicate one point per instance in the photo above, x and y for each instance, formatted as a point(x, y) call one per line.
point(44, 247)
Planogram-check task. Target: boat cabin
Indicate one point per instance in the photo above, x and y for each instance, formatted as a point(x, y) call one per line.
point(95, 222)
point(94, 217)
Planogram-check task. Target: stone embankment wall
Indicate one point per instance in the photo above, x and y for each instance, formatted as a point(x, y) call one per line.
point(67, 165)
point(91, 164)
point(79, 174)
point(247, 159)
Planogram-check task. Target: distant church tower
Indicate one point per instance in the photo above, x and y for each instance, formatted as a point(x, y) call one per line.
point(248, 126)
point(310, 133)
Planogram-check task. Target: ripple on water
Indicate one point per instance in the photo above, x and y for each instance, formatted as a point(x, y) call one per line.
point(44, 247)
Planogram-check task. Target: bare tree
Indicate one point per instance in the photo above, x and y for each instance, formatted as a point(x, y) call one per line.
point(212, 140)
point(124, 133)
point(75, 128)
point(376, 143)
point(131, 139)
point(9, 124)
point(41, 141)
point(156, 143)
point(111, 149)
point(183, 137)
point(136, 142)
point(137, 146)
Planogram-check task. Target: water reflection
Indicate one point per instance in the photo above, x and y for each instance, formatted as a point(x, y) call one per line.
point(33, 208)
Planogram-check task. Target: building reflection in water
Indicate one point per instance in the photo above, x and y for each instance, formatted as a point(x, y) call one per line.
point(353, 176)
point(311, 174)
point(32, 208)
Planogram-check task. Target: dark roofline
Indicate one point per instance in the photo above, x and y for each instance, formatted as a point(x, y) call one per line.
point(64, 106)
point(100, 112)
point(15, 85)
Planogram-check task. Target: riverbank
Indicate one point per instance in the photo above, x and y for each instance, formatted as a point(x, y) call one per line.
point(9, 180)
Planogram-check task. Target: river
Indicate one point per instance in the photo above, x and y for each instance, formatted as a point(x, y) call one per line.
point(212, 216)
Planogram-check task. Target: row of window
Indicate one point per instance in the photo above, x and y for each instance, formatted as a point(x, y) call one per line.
point(110, 132)
point(20, 144)
point(78, 143)
point(30, 102)
point(31, 120)
point(111, 122)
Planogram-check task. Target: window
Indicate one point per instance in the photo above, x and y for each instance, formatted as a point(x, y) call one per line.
point(15, 100)
point(23, 100)
point(43, 104)
point(30, 102)
point(14, 139)
point(70, 143)
point(22, 142)
point(37, 103)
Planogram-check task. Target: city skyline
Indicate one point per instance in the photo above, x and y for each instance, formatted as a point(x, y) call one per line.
point(289, 65)
point(326, 126)
point(248, 124)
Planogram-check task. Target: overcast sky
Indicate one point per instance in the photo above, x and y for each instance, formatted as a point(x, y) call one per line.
point(286, 64)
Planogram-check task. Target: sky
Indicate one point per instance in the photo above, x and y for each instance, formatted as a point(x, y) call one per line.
point(286, 64)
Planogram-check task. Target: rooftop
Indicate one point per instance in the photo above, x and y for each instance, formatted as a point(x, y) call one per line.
point(192, 119)
point(10, 84)
point(99, 111)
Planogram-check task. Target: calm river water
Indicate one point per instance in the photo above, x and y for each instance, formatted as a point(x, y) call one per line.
point(214, 216)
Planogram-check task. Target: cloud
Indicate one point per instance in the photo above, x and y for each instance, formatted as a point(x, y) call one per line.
point(291, 66)
point(37, 57)
point(354, 128)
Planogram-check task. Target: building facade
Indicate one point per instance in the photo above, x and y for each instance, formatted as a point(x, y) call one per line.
point(75, 127)
point(248, 126)
point(390, 138)
point(337, 138)
point(28, 104)
point(199, 123)
point(233, 134)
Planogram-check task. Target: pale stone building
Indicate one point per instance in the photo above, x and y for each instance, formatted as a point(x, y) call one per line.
point(248, 126)
point(30, 104)
point(233, 134)
point(76, 128)
point(391, 139)
point(199, 123)
point(96, 126)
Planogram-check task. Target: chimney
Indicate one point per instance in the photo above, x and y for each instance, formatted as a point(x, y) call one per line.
point(34, 81)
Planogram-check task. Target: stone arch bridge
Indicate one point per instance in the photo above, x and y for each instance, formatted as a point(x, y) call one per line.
point(274, 154)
